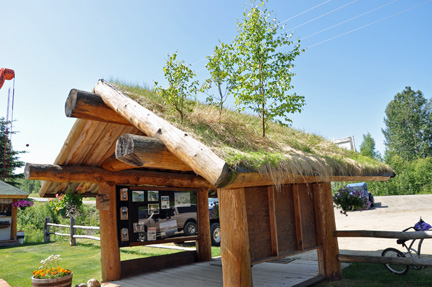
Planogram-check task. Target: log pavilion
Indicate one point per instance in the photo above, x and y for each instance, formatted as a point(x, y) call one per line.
point(8, 213)
point(277, 205)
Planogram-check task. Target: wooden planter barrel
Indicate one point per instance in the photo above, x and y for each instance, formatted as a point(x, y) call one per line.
point(65, 281)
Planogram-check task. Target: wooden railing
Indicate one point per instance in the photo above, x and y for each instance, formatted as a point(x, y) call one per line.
point(71, 234)
point(384, 234)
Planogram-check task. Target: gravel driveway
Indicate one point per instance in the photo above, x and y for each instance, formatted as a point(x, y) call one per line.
point(391, 213)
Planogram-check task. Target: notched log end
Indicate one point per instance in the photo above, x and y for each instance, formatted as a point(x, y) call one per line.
point(71, 102)
point(27, 171)
point(226, 178)
point(124, 151)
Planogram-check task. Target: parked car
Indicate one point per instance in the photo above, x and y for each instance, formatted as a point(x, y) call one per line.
point(169, 222)
point(362, 187)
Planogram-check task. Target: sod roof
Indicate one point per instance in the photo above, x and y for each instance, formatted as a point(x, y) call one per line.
point(234, 137)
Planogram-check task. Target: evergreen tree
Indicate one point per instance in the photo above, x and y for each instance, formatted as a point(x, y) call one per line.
point(367, 147)
point(9, 160)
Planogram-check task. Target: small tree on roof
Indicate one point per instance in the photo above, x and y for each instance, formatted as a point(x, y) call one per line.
point(181, 87)
point(263, 71)
point(221, 68)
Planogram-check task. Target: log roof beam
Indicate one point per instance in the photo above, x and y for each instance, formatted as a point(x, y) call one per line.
point(57, 173)
point(142, 151)
point(90, 106)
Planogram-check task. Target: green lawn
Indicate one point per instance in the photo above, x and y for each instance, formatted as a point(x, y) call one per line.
point(376, 275)
point(18, 263)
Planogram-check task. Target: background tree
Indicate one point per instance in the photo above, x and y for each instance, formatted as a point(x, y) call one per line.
point(9, 159)
point(220, 66)
point(408, 121)
point(263, 71)
point(29, 186)
point(180, 86)
point(367, 147)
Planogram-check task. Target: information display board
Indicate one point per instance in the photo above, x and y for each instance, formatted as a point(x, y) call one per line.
point(150, 215)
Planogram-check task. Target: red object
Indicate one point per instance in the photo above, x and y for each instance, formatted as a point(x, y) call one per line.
point(6, 74)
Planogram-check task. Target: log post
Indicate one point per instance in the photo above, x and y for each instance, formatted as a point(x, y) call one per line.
point(72, 231)
point(142, 151)
point(235, 253)
point(298, 217)
point(47, 235)
point(204, 242)
point(273, 220)
point(110, 251)
point(328, 263)
point(14, 222)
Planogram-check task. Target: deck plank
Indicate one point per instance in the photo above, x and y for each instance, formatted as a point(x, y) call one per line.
point(209, 274)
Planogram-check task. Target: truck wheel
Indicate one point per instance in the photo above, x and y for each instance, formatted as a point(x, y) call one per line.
point(190, 228)
point(215, 234)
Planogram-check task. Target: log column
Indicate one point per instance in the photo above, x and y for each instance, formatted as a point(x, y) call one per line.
point(110, 251)
point(329, 265)
point(235, 253)
point(204, 242)
point(14, 222)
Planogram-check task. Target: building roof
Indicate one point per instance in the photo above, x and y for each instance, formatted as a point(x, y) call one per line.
point(224, 153)
point(9, 191)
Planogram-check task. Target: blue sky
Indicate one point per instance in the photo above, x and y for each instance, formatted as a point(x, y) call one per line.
point(348, 73)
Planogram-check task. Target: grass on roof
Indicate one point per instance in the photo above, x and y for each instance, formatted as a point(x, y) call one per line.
point(236, 138)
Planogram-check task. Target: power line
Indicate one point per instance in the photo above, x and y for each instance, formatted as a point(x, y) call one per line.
point(310, 9)
point(370, 24)
point(325, 14)
point(199, 61)
point(295, 16)
point(346, 21)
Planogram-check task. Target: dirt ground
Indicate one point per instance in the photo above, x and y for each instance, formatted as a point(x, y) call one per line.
point(391, 213)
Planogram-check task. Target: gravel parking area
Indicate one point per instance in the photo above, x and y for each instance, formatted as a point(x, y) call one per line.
point(391, 213)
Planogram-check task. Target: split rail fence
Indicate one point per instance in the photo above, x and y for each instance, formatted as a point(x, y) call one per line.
point(72, 230)
point(384, 234)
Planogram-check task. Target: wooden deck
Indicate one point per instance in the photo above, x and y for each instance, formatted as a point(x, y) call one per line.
point(209, 274)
